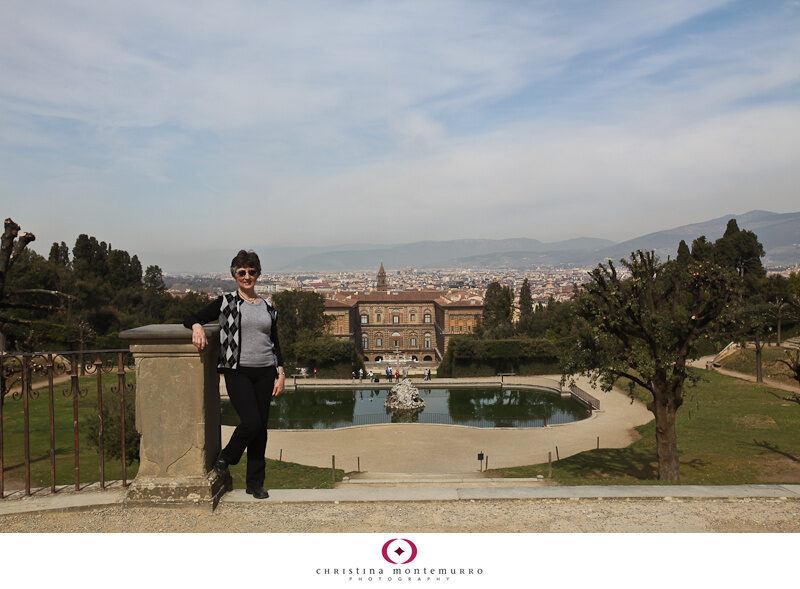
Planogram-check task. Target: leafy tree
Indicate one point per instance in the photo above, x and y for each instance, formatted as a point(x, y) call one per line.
point(90, 257)
point(104, 319)
point(179, 307)
point(555, 320)
point(154, 279)
point(781, 301)
point(645, 328)
point(327, 351)
point(794, 283)
point(753, 321)
point(742, 251)
point(471, 356)
point(301, 315)
point(497, 311)
point(684, 255)
point(59, 254)
point(702, 250)
point(123, 270)
point(525, 304)
point(103, 288)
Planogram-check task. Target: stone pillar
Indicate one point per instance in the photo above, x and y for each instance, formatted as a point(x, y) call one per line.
point(178, 416)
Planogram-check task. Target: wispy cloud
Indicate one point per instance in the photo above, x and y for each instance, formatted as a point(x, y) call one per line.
point(544, 119)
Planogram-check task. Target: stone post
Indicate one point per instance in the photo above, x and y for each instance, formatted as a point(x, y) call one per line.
point(177, 414)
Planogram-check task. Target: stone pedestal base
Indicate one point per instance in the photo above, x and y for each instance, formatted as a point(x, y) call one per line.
point(205, 491)
point(178, 415)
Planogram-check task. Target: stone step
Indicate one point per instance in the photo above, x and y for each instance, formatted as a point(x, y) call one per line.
point(363, 480)
point(417, 475)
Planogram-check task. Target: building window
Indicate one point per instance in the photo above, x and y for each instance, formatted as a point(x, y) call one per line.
point(413, 342)
point(365, 318)
point(364, 342)
point(426, 318)
point(396, 344)
point(395, 318)
point(413, 317)
point(378, 318)
point(427, 340)
point(379, 342)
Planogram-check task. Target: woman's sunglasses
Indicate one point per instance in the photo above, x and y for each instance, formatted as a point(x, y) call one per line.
point(243, 273)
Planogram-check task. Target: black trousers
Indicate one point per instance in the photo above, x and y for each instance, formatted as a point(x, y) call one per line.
point(250, 392)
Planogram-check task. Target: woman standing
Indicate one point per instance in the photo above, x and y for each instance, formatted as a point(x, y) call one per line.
point(250, 359)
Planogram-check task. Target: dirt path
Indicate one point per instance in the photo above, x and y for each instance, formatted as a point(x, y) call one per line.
point(542, 515)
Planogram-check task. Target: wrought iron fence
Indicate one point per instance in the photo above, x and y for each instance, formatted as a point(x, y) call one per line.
point(25, 377)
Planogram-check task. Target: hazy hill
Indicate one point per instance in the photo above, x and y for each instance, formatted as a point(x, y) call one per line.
point(443, 254)
point(779, 232)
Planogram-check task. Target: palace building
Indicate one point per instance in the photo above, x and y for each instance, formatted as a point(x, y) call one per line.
point(414, 325)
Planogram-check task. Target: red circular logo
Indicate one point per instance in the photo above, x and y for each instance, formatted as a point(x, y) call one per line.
point(399, 551)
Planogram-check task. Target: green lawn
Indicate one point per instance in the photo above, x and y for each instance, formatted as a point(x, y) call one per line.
point(288, 475)
point(745, 361)
point(13, 435)
point(729, 432)
point(279, 474)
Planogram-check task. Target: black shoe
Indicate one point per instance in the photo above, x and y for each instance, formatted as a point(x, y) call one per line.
point(259, 493)
point(221, 467)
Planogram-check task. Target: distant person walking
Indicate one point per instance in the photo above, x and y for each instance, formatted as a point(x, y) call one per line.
point(251, 362)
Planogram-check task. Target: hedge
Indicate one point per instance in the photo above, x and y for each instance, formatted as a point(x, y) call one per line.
point(470, 356)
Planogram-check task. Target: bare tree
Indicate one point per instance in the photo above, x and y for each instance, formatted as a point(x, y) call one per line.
point(12, 244)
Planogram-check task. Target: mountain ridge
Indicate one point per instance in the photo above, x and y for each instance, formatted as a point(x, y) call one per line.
point(778, 232)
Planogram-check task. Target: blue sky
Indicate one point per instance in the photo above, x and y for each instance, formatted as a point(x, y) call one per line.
point(183, 127)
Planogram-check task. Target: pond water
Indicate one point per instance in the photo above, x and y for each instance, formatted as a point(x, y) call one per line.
point(491, 407)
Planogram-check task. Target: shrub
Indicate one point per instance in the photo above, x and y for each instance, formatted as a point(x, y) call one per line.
point(112, 430)
point(470, 356)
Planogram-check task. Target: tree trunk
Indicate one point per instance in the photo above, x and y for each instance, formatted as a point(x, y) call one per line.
point(759, 346)
point(665, 410)
point(779, 329)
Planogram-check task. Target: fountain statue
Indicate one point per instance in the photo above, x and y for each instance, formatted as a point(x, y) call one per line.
point(404, 395)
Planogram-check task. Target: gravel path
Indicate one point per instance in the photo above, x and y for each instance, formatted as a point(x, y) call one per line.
point(541, 515)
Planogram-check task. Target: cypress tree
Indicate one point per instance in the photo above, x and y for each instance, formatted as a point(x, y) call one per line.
point(525, 300)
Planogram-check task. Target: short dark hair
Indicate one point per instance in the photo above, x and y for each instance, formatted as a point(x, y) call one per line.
point(245, 259)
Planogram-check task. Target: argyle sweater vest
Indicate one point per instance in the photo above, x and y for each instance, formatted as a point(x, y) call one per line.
point(230, 333)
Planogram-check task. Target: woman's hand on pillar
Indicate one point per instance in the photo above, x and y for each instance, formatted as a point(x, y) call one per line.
point(199, 336)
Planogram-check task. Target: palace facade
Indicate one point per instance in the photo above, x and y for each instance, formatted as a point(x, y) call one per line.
point(415, 325)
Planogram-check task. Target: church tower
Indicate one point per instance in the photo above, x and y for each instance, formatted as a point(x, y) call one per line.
point(381, 279)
